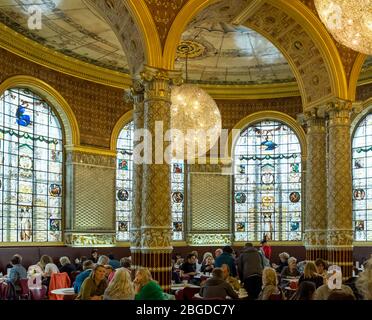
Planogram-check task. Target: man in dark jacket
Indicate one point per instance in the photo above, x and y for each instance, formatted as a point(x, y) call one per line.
point(250, 267)
point(226, 258)
point(217, 287)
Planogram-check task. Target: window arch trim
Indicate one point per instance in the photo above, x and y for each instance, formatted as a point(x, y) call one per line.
point(267, 115)
point(68, 120)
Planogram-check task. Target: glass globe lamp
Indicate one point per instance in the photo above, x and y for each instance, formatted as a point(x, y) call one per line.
point(349, 22)
point(198, 120)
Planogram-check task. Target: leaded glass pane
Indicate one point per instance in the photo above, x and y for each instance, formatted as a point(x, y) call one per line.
point(362, 180)
point(124, 188)
point(267, 183)
point(124, 182)
point(31, 149)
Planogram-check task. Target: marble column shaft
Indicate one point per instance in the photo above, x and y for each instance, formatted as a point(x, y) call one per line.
point(316, 188)
point(136, 94)
point(156, 201)
point(339, 195)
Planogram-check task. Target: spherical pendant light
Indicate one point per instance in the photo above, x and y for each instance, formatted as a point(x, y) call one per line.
point(196, 115)
point(349, 21)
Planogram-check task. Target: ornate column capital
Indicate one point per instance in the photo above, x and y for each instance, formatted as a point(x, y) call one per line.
point(158, 81)
point(135, 94)
point(339, 111)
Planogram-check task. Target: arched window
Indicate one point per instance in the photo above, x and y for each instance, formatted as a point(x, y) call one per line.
point(31, 165)
point(362, 180)
point(267, 183)
point(124, 188)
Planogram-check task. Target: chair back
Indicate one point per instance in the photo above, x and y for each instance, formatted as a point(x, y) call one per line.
point(39, 293)
point(73, 275)
point(58, 281)
point(188, 293)
point(7, 291)
point(276, 296)
point(25, 291)
point(179, 294)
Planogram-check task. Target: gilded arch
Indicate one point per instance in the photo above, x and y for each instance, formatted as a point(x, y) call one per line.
point(54, 98)
point(295, 30)
point(265, 115)
point(135, 29)
point(354, 75)
point(124, 119)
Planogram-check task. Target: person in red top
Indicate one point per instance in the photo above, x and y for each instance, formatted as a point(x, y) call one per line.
point(265, 247)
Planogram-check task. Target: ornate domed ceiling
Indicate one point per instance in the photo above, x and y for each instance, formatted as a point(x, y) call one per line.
point(222, 53)
point(70, 27)
point(226, 54)
point(217, 51)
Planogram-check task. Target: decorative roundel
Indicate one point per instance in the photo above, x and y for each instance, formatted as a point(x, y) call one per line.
point(240, 197)
point(294, 197)
point(190, 49)
point(123, 195)
point(177, 197)
point(55, 190)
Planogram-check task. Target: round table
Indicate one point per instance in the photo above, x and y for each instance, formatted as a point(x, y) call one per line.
point(67, 293)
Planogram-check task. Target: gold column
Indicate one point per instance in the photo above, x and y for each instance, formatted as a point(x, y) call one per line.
point(339, 195)
point(315, 236)
point(156, 246)
point(136, 95)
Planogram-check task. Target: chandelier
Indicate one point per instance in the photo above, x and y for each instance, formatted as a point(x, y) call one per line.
point(349, 21)
point(197, 119)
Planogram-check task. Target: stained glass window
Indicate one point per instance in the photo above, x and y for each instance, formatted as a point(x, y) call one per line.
point(124, 182)
point(124, 188)
point(31, 163)
point(362, 180)
point(267, 183)
point(178, 198)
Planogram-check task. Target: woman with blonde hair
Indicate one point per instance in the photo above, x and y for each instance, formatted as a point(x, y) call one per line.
point(207, 263)
point(364, 282)
point(120, 287)
point(310, 274)
point(145, 287)
point(270, 286)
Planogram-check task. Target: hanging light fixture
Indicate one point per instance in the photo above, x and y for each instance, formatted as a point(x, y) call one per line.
point(196, 115)
point(349, 21)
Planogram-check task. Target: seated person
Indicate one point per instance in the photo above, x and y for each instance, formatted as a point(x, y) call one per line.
point(321, 267)
point(95, 285)
point(324, 291)
point(291, 269)
point(113, 262)
point(207, 263)
point(79, 263)
point(48, 267)
point(17, 272)
point(87, 269)
point(126, 263)
point(305, 291)
point(311, 275)
point(121, 286)
point(284, 256)
point(270, 285)
point(234, 282)
point(110, 272)
point(188, 267)
point(145, 287)
point(178, 261)
point(217, 287)
point(227, 258)
point(66, 265)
